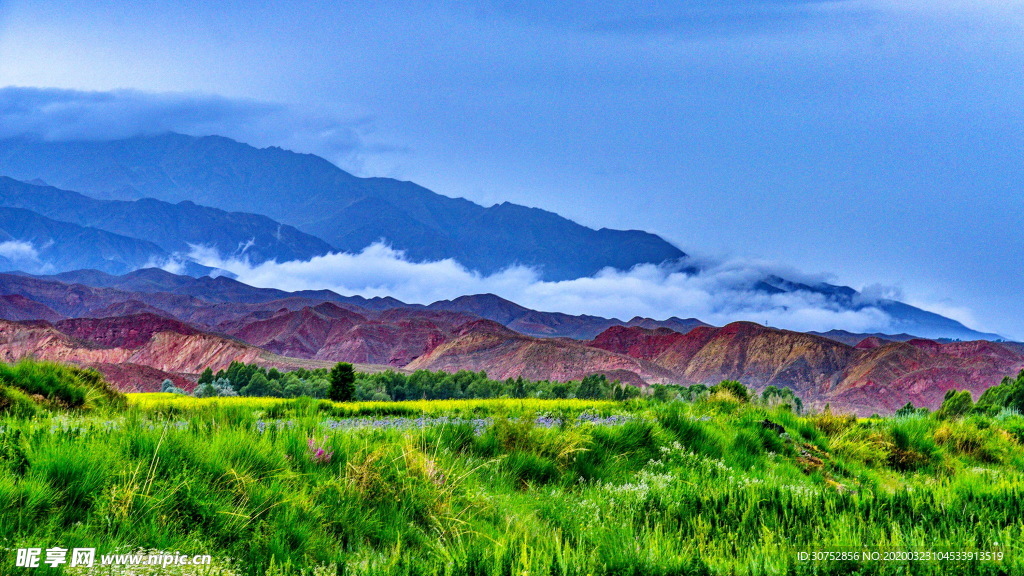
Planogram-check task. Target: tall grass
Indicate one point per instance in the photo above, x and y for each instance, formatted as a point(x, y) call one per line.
point(505, 487)
point(53, 386)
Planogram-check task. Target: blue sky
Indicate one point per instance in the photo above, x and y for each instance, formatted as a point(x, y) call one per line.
point(876, 141)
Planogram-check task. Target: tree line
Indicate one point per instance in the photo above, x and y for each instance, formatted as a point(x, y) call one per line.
point(342, 383)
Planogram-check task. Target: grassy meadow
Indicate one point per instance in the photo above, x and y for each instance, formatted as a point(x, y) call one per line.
point(506, 486)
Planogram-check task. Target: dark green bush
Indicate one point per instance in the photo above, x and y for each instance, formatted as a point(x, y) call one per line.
point(733, 387)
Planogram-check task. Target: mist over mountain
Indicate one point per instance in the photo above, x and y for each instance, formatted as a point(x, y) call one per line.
point(33, 243)
point(904, 318)
point(173, 227)
point(319, 198)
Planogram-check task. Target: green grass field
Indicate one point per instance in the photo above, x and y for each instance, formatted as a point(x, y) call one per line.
point(512, 487)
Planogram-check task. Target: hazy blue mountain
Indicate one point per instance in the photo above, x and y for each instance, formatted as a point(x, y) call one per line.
point(855, 338)
point(318, 198)
point(172, 227)
point(33, 243)
point(914, 320)
point(906, 319)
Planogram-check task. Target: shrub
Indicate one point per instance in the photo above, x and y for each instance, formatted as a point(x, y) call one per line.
point(955, 404)
point(746, 449)
point(693, 434)
point(868, 447)
point(832, 424)
point(205, 390)
point(527, 469)
point(14, 402)
point(13, 453)
point(965, 438)
point(168, 387)
point(400, 477)
point(734, 388)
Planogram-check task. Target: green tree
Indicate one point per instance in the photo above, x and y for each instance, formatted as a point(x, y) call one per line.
point(907, 410)
point(343, 383)
point(259, 385)
point(593, 387)
point(206, 377)
point(1008, 394)
point(519, 387)
point(205, 390)
point(168, 386)
point(695, 391)
point(480, 388)
point(559, 390)
point(785, 397)
point(661, 393)
point(626, 391)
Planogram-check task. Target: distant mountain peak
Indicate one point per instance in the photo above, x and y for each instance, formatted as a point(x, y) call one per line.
point(319, 198)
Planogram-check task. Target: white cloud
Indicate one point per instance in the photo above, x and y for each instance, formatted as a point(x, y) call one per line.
point(873, 293)
point(175, 264)
point(59, 115)
point(25, 256)
point(721, 293)
point(959, 313)
point(19, 251)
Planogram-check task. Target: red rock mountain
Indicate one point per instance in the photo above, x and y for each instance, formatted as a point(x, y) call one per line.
point(503, 353)
point(141, 328)
point(133, 331)
point(132, 354)
point(331, 333)
point(874, 376)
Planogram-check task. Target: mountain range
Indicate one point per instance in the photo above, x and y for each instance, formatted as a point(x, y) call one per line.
point(149, 325)
point(174, 228)
point(154, 200)
point(102, 271)
point(30, 241)
point(320, 199)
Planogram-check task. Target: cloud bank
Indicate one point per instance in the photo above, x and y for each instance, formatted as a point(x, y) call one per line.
point(719, 294)
point(69, 115)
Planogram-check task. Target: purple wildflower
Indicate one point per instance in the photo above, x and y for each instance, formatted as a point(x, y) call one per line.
point(318, 454)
